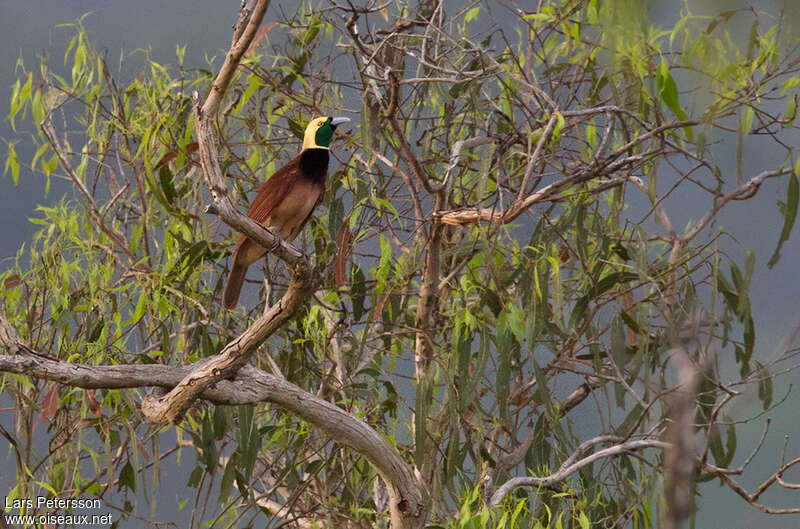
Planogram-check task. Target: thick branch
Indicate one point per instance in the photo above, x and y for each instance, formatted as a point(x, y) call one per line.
point(679, 458)
point(248, 385)
point(172, 406)
point(234, 56)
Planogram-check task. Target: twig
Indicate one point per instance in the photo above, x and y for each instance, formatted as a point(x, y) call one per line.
point(565, 471)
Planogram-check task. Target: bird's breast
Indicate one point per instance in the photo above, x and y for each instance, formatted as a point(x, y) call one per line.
point(289, 216)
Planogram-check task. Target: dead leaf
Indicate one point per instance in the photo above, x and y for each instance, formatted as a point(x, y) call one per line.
point(190, 148)
point(260, 34)
point(49, 405)
point(94, 405)
point(344, 241)
point(12, 281)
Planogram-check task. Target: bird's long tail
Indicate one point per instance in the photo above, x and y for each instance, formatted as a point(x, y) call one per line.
point(233, 285)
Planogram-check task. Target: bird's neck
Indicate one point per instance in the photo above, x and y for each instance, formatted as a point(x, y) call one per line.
point(314, 164)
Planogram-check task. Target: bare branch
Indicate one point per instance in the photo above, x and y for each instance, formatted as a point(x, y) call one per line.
point(548, 130)
point(746, 190)
point(247, 385)
point(565, 471)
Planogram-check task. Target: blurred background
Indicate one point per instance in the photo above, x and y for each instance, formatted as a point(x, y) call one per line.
point(31, 28)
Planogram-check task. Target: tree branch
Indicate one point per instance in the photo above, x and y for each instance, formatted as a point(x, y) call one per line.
point(248, 385)
point(172, 406)
point(571, 465)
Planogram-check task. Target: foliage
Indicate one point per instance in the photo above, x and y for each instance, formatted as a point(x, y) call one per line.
point(558, 270)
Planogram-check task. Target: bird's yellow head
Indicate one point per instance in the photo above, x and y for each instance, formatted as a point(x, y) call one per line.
point(319, 132)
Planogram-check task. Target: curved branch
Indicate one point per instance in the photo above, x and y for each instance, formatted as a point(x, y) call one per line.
point(742, 192)
point(249, 385)
point(752, 499)
point(568, 468)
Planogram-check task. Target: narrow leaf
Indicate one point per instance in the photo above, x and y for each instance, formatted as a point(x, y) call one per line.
point(789, 210)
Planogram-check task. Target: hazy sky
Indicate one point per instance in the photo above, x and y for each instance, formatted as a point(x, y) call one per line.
point(28, 27)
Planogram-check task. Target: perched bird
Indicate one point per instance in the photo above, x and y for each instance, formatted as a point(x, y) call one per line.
point(285, 201)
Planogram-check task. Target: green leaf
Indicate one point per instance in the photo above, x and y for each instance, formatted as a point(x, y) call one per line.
point(141, 307)
point(591, 135)
point(789, 210)
point(668, 90)
point(297, 129)
point(226, 485)
point(764, 385)
point(221, 420)
point(790, 83)
point(790, 113)
point(503, 380)
point(715, 445)
point(722, 17)
point(358, 291)
point(612, 279)
point(249, 440)
point(195, 476)
point(12, 162)
point(423, 400)
point(367, 139)
point(618, 346)
point(747, 119)
point(723, 455)
point(165, 178)
point(626, 428)
point(578, 313)
point(749, 335)
point(730, 443)
point(127, 478)
point(560, 122)
point(385, 264)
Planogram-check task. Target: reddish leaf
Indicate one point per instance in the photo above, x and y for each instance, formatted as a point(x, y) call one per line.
point(12, 281)
point(564, 254)
point(378, 309)
point(49, 405)
point(190, 148)
point(260, 34)
point(94, 405)
point(143, 451)
point(628, 305)
point(344, 241)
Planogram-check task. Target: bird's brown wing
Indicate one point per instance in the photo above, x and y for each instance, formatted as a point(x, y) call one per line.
point(274, 190)
point(269, 196)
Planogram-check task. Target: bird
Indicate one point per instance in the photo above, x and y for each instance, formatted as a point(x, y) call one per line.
point(285, 201)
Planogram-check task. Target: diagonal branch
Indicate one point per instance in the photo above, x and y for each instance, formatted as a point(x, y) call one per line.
point(172, 406)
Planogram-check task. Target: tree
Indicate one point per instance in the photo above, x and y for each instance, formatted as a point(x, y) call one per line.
point(475, 279)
